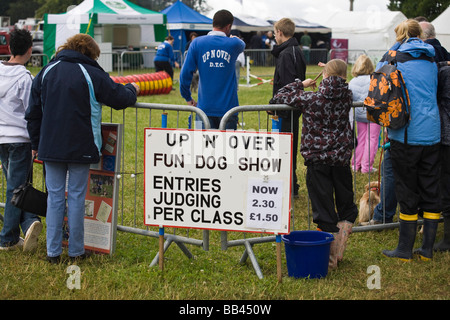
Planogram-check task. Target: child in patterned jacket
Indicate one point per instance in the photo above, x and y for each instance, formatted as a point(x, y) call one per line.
point(326, 146)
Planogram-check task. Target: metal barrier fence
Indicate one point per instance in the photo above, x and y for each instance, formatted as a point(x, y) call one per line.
point(130, 62)
point(249, 242)
point(128, 221)
point(135, 62)
point(142, 61)
point(130, 209)
point(264, 57)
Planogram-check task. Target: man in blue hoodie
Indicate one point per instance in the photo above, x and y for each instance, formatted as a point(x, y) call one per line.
point(15, 146)
point(214, 55)
point(165, 58)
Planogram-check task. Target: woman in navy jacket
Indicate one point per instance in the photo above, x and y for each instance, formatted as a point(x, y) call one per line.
point(415, 147)
point(64, 124)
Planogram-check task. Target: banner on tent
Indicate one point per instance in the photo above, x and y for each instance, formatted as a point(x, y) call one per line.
point(218, 180)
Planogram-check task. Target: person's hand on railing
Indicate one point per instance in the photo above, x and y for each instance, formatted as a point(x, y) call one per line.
point(136, 86)
point(192, 103)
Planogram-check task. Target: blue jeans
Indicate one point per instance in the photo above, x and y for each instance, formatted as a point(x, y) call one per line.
point(16, 161)
point(77, 184)
point(387, 192)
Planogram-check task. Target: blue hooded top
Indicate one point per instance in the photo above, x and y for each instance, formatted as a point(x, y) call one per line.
point(420, 72)
point(165, 53)
point(214, 55)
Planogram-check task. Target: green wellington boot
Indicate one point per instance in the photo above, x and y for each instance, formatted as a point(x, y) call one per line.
point(407, 236)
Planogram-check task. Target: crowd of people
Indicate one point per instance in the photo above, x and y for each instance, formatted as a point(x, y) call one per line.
point(327, 146)
point(39, 118)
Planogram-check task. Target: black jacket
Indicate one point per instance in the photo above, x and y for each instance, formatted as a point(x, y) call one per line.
point(290, 64)
point(444, 103)
point(441, 52)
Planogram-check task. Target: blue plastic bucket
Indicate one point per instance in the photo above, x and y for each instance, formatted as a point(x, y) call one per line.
point(307, 253)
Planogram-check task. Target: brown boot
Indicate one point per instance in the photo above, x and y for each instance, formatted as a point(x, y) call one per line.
point(345, 229)
point(332, 262)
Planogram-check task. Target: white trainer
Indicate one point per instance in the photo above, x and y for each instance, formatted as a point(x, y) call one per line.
point(18, 245)
point(31, 237)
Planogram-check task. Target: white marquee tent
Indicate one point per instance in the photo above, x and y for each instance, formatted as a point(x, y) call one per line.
point(364, 30)
point(442, 26)
point(247, 23)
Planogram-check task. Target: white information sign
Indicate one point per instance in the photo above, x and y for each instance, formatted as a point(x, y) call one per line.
point(264, 204)
point(218, 180)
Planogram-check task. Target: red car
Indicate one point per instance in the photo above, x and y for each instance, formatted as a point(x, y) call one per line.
point(4, 43)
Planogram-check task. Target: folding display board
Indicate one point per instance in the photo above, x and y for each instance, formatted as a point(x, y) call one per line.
point(100, 219)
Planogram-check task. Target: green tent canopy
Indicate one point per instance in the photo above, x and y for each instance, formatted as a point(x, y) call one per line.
point(116, 22)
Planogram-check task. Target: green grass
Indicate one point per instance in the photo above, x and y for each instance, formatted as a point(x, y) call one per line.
point(217, 274)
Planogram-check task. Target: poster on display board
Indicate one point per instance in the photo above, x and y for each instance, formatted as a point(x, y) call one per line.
point(218, 180)
point(339, 49)
point(100, 217)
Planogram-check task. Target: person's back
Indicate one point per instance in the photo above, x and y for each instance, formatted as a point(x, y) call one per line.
point(290, 62)
point(305, 40)
point(326, 133)
point(429, 36)
point(415, 61)
point(64, 123)
point(444, 108)
point(289, 65)
point(214, 56)
point(256, 41)
point(82, 94)
point(164, 52)
point(415, 148)
point(15, 147)
point(327, 147)
point(15, 85)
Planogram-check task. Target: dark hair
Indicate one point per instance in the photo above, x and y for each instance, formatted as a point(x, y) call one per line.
point(20, 41)
point(222, 18)
point(168, 38)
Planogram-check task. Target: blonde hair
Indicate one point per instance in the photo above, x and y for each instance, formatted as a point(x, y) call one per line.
point(363, 65)
point(336, 67)
point(408, 29)
point(285, 25)
point(82, 43)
